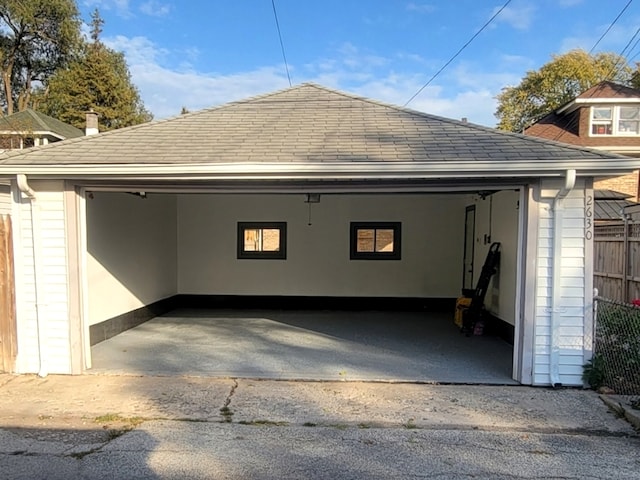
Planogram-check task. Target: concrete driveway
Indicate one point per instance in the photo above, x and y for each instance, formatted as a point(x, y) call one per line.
point(307, 345)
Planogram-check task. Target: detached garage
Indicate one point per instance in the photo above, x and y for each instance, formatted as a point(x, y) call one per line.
point(304, 195)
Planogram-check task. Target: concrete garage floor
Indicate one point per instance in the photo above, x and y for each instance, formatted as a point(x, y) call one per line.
point(306, 345)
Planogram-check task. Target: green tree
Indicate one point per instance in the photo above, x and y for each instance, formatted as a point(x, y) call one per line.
point(36, 38)
point(556, 83)
point(98, 80)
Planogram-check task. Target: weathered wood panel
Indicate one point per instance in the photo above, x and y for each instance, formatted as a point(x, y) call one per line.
point(613, 251)
point(8, 343)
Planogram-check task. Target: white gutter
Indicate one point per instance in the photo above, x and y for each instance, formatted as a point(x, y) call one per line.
point(324, 170)
point(556, 298)
point(24, 187)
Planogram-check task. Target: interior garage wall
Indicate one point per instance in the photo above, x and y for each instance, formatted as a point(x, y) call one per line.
point(497, 221)
point(131, 252)
point(318, 261)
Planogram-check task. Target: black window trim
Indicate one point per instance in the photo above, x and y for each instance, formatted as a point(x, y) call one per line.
point(281, 254)
point(397, 241)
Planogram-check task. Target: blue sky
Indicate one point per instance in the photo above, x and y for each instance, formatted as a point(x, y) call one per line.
point(201, 53)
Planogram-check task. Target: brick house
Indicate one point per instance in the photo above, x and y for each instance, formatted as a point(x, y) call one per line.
point(605, 117)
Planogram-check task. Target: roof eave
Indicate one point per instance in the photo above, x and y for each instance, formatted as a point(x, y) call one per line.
point(324, 171)
point(578, 102)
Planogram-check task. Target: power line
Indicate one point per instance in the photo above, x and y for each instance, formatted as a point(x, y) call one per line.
point(275, 15)
point(610, 27)
point(458, 52)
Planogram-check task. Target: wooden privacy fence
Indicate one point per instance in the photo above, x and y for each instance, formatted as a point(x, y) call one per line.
point(8, 347)
point(617, 261)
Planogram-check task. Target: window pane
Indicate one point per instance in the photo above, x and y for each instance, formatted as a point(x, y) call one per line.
point(270, 240)
point(628, 127)
point(252, 240)
point(384, 240)
point(629, 113)
point(366, 241)
point(601, 113)
point(601, 129)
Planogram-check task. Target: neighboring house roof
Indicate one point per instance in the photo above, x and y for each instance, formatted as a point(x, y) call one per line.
point(310, 130)
point(603, 92)
point(609, 204)
point(30, 121)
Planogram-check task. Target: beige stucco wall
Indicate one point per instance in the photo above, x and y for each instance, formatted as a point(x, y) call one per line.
point(318, 261)
point(131, 252)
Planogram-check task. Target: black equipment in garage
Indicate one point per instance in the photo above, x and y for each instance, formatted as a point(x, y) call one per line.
point(473, 315)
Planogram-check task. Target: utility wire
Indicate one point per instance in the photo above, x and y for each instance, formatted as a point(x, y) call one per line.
point(275, 15)
point(610, 27)
point(458, 52)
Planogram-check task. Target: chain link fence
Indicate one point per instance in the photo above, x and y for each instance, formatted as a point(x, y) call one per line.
point(616, 354)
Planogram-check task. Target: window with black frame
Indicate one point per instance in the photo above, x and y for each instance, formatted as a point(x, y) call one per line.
point(262, 240)
point(375, 240)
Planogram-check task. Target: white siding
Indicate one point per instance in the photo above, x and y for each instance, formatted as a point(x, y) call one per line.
point(51, 317)
point(5, 199)
point(574, 298)
point(318, 261)
point(131, 252)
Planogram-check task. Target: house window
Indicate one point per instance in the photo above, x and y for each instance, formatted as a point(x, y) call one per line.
point(615, 120)
point(375, 240)
point(628, 122)
point(262, 240)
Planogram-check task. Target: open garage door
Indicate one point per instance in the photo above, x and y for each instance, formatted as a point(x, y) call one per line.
point(148, 255)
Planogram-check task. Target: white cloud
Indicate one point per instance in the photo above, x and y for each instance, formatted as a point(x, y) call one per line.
point(519, 15)
point(155, 8)
point(121, 7)
point(165, 88)
point(421, 7)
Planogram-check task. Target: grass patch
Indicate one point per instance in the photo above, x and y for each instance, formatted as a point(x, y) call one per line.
point(227, 414)
point(410, 424)
point(364, 425)
point(340, 426)
point(263, 423)
point(116, 418)
point(309, 424)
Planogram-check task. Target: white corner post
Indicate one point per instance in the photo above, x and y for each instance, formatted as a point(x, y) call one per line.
point(36, 245)
point(556, 298)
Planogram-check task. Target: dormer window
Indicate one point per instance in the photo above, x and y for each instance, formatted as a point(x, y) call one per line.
point(615, 120)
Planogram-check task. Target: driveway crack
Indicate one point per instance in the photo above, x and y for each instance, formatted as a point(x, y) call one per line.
point(225, 411)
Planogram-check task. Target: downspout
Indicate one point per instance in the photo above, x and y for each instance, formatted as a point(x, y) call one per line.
point(556, 309)
point(24, 187)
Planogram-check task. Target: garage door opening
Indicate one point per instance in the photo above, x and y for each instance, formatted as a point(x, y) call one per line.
point(144, 252)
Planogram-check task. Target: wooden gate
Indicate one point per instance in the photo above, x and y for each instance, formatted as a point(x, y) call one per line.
point(8, 344)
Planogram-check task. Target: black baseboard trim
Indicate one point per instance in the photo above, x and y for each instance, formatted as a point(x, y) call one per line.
point(283, 302)
point(498, 327)
point(113, 326)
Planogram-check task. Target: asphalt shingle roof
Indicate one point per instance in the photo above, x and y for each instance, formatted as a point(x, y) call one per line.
point(609, 204)
point(36, 122)
point(303, 124)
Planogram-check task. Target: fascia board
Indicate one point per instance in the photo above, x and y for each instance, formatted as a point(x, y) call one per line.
point(594, 101)
point(328, 171)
